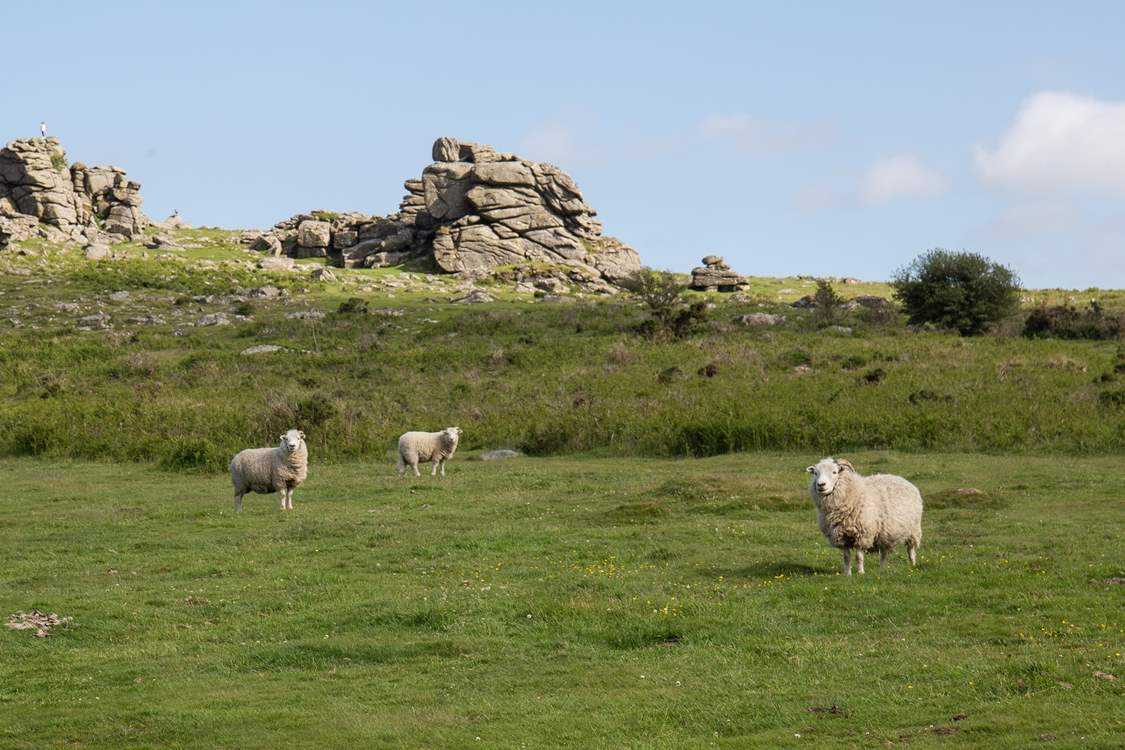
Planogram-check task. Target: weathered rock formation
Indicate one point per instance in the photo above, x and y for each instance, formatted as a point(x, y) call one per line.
point(473, 209)
point(716, 276)
point(74, 201)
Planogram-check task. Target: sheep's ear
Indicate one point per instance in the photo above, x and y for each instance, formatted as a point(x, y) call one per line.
point(844, 463)
point(810, 469)
point(281, 436)
point(301, 434)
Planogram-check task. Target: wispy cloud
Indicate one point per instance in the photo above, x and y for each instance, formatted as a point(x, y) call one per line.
point(899, 177)
point(1060, 142)
point(753, 134)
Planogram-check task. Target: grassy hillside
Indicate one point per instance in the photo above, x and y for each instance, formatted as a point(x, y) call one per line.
point(546, 377)
point(579, 602)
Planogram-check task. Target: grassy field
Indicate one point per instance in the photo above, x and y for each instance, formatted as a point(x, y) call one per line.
point(561, 602)
point(158, 384)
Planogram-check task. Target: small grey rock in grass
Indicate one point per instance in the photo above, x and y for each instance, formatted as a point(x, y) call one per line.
point(97, 252)
point(500, 454)
point(119, 296)
point(96, 322)
point(761, 319)
point(305, 315)
point(262, 349)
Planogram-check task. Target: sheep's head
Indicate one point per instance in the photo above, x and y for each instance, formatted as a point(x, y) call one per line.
point(292, 440)
point(453, 433)
point(827, 473)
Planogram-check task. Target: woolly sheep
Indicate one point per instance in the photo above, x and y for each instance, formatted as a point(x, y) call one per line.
point(865, 513)
point(427, 446)
point(269, 470)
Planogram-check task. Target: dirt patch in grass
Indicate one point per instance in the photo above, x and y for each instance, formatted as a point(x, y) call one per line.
point(40, 622)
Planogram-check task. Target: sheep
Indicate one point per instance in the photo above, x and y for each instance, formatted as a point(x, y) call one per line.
point(865, 513)
point(269, 470)
point(427, 446)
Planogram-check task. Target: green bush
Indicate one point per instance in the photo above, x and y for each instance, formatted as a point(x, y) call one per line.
point(1067, 322)
point(828, 306)
point(964, 292)
point(663, 296)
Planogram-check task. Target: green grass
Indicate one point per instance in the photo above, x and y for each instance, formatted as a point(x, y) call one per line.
point(577, 602)
point(548, 378)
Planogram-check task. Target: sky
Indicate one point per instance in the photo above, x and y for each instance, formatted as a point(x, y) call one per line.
point(814, 138)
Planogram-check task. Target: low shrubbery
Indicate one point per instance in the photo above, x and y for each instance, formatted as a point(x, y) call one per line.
point(1068, 322)
point(963, 292)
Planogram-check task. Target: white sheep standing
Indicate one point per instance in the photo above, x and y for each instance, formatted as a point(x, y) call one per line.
point(269, 470)
point(865, 513)
point(427, 446)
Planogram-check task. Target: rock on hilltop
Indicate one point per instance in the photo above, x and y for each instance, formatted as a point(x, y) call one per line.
point(37, 187)
point(472, 210)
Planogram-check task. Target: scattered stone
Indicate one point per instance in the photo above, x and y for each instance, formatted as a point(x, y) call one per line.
point(1104, 676)
point(97, 252)
point(474, 297)
point(277, 264)
point(556, 298)
point(96, 322)
point(40, 622)
point(840, 330)
point(1114, 581)
point(969, 491)
point(67, 306)
point(500, 454)
point(147, 320)
point(265, 292)
point(761, 319)
point(305, 315)
point(804, 303)
point(215, 319)
point(121, 296)
point(323, 274)
point(262, 349)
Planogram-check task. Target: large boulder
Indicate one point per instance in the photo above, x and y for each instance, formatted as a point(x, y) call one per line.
point(35, 181)
point(472, 210)
point(716, 276)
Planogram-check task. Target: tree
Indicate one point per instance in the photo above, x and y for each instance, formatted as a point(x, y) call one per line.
point(827, 304)
point(663, 294)
point(965, 292)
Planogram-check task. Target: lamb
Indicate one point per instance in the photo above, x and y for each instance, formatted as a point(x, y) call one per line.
point(427, 446)
point(269, 470)
point(865, 513)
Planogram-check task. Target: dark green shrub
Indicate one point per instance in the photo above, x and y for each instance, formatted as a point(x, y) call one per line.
point(353, 305)
point(314, 411)
point(662, 294)
point(964, 292)
point(828, 306)
point(1067, 322)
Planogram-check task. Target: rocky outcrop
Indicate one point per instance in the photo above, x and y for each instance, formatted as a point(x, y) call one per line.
point(474, 209)
point(716, 276)
point(74, 201)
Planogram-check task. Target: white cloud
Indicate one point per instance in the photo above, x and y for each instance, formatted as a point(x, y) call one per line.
point(1060, 142)
point(899, 177)
point(750, 133)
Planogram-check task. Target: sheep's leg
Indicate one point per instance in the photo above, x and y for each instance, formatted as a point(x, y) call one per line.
point(282, 493)
point(847, 570)
point(442, 463)
point(859, 561)
point(912, 551)
point(415, 467)
point(883, 554)
point(289, 499)
point(433, 471)
point(237, 503)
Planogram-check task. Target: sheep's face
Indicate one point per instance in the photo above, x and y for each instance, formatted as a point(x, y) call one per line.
point(454, 433)
point(292, 440)
point(825, 475)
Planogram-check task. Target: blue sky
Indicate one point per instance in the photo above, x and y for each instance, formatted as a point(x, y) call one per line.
point(814, 138)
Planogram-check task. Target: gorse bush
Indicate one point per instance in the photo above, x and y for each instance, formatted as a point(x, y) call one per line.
point(1068, 322)
point(963, 292)
point(663, 296)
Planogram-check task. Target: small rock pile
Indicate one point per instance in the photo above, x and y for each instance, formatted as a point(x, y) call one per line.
point(716, 276)
point(473, 209)
point(72, 203)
